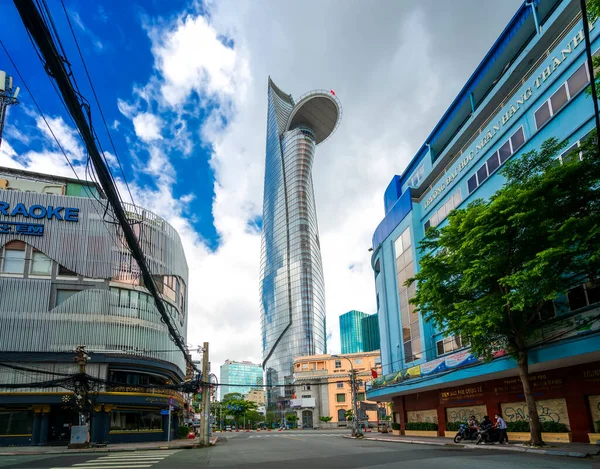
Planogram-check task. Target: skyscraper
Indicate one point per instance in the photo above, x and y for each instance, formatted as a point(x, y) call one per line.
point(351, 331)
point(292, 292)
point(239, 377)
point(359, 332)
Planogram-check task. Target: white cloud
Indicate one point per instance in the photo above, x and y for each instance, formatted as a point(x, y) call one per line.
point(147, 127)
point(395, 71)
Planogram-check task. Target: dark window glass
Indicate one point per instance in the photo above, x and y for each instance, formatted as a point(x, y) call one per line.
point(504, 152)
point(517, 139)
point(472, 183)
point(542, 115)
point(340, 397)
point(482, 174)
point(17, 422)
point(408, 355)
point(493, 163)
point(593, 292)
point(547, 311)
point(559, 99)
point(64, 295)
point(427, 224)
point(578, 80)
point(440, 347)
point(576, 298)
point(64, 271)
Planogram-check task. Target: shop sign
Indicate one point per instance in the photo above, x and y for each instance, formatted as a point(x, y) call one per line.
point(538, 382)
point(507, 113)
point(433, 366)
point(461, 393)
point(36, 212)
point(414, 371)
point(459, 359)
point(592, 376)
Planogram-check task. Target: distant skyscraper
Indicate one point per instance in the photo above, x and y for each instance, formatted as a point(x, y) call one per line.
point(243, 375)
point(359, 332)
point(351, 333)
point(292, 292)
point(370, 332)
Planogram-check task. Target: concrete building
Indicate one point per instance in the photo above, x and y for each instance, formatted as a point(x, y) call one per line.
point(530, 86)
point(322, 388)
point(239, 377)
point(359, 332)
point(292, 291)
point(67, 279)
point(256, 395)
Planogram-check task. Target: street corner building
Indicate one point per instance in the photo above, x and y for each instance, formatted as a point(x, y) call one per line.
point(67, 279)
point(529, 87)
point(292, 291)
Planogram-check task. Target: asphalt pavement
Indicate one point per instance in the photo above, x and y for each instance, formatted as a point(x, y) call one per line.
point(299, 450)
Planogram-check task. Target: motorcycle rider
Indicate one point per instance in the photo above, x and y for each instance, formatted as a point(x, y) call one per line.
point(486, 423)
point(473, 424)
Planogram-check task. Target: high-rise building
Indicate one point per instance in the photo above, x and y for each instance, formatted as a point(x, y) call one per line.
point(370, 331)
point(531, 86)
point(359, 332)
point(67, 279)
point(239, 377)
point(351, 331)
point(292, 291)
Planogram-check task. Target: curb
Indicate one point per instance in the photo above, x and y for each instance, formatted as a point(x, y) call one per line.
point(101, 450)
point(518, 449)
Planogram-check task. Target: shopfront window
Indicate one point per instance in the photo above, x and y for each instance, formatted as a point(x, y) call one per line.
point(17, 422)
point(135, 420)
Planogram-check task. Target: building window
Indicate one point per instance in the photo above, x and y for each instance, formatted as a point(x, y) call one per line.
point(41, 264)
point(358, 361)
point(306, 387)
point(340, 397)
point(135, 421)
point(449, 344)
point(16, 422)
point(305, 366)
point(341, 415)
point(340, 385)
point(338, 363)
point(417, 176)
point(506, 150)
point(63, 271)
point(306, 396)
point(64, 295)
point(14, 261)
point(563, 94)
point(441, 213)
point(360, 396)
point(584, 295)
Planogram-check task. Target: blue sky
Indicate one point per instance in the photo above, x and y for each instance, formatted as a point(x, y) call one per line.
point(183, 87)
point(113, 37)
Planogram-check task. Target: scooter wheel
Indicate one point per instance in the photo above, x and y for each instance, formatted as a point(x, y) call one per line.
point(479, 439)
point(457, 438)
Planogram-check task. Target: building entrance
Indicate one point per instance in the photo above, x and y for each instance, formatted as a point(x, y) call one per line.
point(307, 419)
point(60, 421)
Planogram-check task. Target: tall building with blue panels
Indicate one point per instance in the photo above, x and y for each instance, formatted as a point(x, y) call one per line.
point(351, 331)
point(291, 285)
point(529, 87)
point(239, 377)
point(359, 332)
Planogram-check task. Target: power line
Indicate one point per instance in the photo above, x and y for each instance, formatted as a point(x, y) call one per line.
point(97, 101)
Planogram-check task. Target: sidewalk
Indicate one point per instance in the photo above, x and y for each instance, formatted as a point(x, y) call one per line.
point(575, 450)
point(117, 447)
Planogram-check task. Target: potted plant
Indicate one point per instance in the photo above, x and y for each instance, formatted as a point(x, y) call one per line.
point(552, 432)
point(421, 429)
point(595, 437)
point(451, 429)
point(396, 429)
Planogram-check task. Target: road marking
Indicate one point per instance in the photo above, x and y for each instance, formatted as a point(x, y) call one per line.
point(113, 461)
point(104, 467)
point(124, 460)
point(292, 438)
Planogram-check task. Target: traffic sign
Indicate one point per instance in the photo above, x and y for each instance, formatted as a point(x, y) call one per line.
point(164, 412)
point(171, 401)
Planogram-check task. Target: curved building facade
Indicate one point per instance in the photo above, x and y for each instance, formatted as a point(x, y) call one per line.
point(68, 279)
point(292, 292)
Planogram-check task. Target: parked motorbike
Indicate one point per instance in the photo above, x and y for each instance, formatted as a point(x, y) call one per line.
point(465, 433)
point(488, 435)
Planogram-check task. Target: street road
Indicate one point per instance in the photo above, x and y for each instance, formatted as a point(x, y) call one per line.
point(299, 450)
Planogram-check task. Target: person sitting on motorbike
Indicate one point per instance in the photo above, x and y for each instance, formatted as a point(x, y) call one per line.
point(472, 423)
point(486, 423)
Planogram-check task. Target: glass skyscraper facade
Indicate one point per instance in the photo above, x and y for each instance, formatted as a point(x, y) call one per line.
point(292, 292)
point(239, 377)
point(359, 332)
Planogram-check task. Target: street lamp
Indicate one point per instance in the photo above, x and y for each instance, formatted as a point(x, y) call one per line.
point(355, 427)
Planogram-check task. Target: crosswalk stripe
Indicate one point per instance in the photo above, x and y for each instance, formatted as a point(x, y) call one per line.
point(118, 461)
point(131, 457)
point(129, 466)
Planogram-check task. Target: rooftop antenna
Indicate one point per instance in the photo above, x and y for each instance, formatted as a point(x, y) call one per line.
point(8, 97)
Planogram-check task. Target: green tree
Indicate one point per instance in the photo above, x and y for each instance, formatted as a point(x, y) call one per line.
point(348, 414)
point(235, 405)
point(292, 419)
point(325, 418)
point(490, 274)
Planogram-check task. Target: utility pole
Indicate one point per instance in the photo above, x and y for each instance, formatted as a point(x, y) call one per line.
point(590, 64)
point(355, 428)
point(8, 97)
point(204, 423)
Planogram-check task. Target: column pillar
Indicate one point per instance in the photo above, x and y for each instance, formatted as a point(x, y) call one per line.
point(580, 419)
point(35, 434)
point(44, 424)
point(441, 417)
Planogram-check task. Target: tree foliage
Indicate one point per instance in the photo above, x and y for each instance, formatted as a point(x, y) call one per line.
point(490, 272)
point(325, 418)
